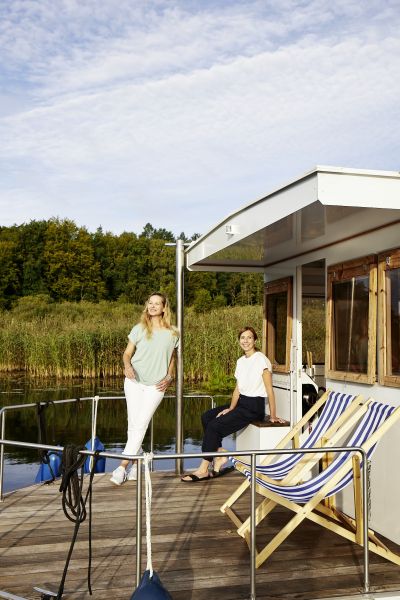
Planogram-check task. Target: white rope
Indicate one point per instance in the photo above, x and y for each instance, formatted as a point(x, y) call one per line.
point(147, 458)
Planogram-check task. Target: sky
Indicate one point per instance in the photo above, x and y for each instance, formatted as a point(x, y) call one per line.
point(116, 113)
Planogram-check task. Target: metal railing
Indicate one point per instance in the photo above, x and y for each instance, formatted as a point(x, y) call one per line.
point(94, 400)
point(253, 454)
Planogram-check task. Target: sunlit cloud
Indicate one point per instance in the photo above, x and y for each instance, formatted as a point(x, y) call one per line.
point(179, 112)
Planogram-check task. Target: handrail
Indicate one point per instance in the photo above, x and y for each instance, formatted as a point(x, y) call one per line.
point(4, 409)
point(253, 453)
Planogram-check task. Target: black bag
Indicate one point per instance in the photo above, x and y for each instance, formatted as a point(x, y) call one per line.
point(150, 588)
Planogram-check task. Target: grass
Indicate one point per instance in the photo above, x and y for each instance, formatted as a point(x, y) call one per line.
point(68, 340)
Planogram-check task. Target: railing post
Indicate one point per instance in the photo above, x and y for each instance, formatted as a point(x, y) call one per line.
point(139, 522)
point(365, 495)
point(95, 403)
point(151, 442)
point(3, 433)
point(179, 366)
point(253, 550)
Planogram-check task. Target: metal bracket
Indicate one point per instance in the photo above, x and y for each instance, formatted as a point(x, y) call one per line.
point(45, 594)
point(8, 596)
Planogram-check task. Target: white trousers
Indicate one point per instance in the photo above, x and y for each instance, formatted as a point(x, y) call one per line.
point(141, 403)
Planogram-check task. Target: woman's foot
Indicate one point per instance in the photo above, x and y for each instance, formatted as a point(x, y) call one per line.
point(220, 462)
point(196, 476)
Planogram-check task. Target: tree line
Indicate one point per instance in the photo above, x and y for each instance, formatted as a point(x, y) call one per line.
point(63, 262)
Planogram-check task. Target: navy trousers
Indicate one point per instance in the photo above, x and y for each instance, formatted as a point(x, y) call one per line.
point(248, 409)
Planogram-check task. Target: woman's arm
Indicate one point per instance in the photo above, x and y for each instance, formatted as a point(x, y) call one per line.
point(267, 379)
point(234, 401)
point(164, 383)
point(126, 357)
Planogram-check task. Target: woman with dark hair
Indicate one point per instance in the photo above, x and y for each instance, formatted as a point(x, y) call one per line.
point(254, 385)
point(149, 362)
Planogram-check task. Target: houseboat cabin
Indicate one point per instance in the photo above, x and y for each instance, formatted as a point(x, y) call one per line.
point(328, 244)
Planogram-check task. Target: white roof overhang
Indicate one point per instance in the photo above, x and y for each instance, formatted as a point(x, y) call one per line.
point(323, 207)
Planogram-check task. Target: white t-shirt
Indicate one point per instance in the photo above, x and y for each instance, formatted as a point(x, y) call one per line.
point(249, 372)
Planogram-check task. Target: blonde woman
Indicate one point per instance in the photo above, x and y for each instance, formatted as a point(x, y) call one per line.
point(149, 363)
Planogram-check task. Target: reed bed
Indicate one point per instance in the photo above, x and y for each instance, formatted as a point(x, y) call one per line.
point(211, 346)
point(69, 340)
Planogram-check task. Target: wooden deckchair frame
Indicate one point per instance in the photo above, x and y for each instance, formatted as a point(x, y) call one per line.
point(318, 512)
point(355, 408)
point(309, 460)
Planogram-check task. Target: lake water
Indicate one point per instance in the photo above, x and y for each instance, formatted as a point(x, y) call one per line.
point(71, 423)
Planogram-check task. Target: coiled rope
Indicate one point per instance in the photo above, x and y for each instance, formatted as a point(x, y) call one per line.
point(74, 503)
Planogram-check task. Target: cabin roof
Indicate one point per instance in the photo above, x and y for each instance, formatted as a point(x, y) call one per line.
point(323, 207)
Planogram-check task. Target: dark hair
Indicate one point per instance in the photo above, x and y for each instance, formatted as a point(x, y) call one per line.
point(248, 329)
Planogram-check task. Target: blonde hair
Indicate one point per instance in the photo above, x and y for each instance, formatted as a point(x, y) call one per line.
point(165, 318)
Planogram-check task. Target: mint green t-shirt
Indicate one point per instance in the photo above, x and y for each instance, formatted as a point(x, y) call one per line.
point(152, 355)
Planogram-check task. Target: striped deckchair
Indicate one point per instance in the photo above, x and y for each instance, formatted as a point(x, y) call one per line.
point(336, 409)
point(307, 499)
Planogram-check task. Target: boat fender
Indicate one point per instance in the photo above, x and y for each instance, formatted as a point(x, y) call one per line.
point(150, 588)
point(50, 467)
point(100, 466)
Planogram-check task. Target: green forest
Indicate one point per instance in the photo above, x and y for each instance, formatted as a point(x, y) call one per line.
point(61, 262)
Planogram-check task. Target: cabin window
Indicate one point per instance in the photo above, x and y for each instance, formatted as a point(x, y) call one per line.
point(351, 320)
point(278, 323)
point(389, 309)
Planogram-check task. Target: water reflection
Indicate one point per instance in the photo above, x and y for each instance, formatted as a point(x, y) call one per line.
point(71, 423)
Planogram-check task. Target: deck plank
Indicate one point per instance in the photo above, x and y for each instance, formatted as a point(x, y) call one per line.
point(196, 550)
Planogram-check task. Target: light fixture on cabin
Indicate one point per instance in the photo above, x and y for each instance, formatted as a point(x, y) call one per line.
point(231, 230)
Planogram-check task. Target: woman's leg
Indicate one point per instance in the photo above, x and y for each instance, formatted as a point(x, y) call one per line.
point(206, 418)
point(209, 415)
point(225, 425)
point(141, 402)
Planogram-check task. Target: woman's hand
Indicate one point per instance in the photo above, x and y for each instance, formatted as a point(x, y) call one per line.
point(224, 412)
point(129, 372)
point(126, 358)
point(277, 420)
point(162, 385)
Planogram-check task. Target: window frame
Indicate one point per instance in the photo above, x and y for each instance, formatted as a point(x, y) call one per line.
point(388, 260)
point(274, 287)
point(345, 271)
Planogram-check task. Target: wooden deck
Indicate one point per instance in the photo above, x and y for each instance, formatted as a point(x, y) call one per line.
point(196, 550)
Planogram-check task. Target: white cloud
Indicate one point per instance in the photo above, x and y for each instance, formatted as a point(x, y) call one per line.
point(178, 112)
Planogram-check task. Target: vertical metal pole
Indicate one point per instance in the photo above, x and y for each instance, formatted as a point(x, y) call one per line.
point(365, 495)
point(152, 442)
point(253, 529)
point(3, 433)
point(139, 523)
point(179, 366)
point(95, 403)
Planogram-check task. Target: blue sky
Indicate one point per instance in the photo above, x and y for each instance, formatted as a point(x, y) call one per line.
point(116, 113)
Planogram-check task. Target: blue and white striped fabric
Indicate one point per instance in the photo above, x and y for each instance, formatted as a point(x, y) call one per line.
point(376, 414)
point(334, 406)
